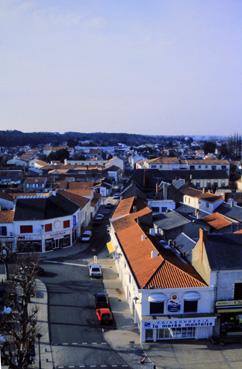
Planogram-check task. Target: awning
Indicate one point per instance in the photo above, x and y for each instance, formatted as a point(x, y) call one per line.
point(110, 247)
point(191, 296)
point(157, 297)
point(232, 306)
point(220, 311)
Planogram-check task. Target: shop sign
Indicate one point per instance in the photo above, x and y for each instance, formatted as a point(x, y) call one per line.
point(180, 323)
point(220, 304)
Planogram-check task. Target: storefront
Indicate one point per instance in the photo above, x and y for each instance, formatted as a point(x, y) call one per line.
point(229, 317)
point(177, 328)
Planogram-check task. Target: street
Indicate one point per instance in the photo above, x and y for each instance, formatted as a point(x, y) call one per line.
point(76, 336)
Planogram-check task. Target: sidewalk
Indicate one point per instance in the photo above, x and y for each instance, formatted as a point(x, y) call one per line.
point(125, 338)
point(41, 301)
point(65, 252)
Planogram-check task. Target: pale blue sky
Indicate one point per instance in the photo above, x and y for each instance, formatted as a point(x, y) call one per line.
point(153, 67)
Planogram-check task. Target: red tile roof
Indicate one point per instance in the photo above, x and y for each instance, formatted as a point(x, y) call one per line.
point(78, 200)
point(217, 221)
point(124, 208)
point(159, 271)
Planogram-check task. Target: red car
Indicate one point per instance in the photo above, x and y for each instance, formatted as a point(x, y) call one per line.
point(104, 315)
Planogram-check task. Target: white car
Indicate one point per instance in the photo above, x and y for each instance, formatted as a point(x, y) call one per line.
point(95, 270)
point(99, 217)
point(86, 236)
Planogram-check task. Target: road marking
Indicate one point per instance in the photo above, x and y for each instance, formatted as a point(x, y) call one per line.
point(81, 366)
point(74, 343)
point(94, 343)
point(114, 366)
point(65, 263)
point(64, 343)
point(103, 343)
point(84, 343)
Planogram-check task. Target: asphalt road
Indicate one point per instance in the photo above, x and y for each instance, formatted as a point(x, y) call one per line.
point(76, 336)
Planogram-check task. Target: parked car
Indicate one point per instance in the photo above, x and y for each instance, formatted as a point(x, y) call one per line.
point(98, 219)
point(116, 196)
point(95, 270)
point(101, 300)
point(86, 236)
point(104, 315)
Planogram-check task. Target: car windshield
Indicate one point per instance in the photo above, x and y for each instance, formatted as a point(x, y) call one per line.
point(96, 269)
point(106, 317)
point(102, 298)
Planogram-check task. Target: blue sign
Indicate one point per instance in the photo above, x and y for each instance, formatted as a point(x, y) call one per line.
point(74, 220)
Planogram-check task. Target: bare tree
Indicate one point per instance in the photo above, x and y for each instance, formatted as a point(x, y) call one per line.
point(19, 325)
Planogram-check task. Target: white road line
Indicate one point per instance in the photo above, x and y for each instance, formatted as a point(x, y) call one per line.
point(65, 263)
point(84, 343)
point(103, 343)
point(94, 343)
point(114, 366)
point(81, 366)
point(103, 366)
point(64, 343)
point(74, 343)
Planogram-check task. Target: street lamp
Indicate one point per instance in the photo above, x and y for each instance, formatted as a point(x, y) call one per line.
point(39, 337)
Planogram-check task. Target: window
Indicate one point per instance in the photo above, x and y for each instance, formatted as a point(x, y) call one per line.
point(190, 306)
point(153, 166)
point(197, 184)
point(48, 227)
point(156, 308)
point(66, 224)
point(192, 167)
point(26, 229)
point(155, 209)
point(214, 167)
point(163, 209)
point(223, 167)
point(3, 231)
point(237, 291)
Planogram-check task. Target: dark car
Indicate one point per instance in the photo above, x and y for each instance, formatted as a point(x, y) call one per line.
point(109, 206)
point(101, 300)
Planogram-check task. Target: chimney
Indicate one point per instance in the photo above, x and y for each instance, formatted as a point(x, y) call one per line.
point(154, 254)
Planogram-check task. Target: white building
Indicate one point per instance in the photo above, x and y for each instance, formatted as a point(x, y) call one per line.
point(203, 201)
point(167, 297)
point(41, 224)
point(173, 163)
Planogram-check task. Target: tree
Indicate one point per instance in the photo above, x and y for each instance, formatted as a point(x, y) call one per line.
point(209, 147)
point(59, 155)
point(19, 326)
point(235, 146)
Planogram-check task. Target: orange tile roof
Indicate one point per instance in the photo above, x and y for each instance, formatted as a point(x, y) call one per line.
point(124, 207)
point(78, 200)
point(161, 271)
point(193, 192)
point(217, 221)
point(238, 232)
point(6, 216)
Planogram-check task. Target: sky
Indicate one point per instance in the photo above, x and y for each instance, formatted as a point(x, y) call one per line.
point(151, 67)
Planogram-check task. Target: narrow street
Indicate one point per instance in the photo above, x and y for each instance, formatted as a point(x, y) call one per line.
point(76, 336)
